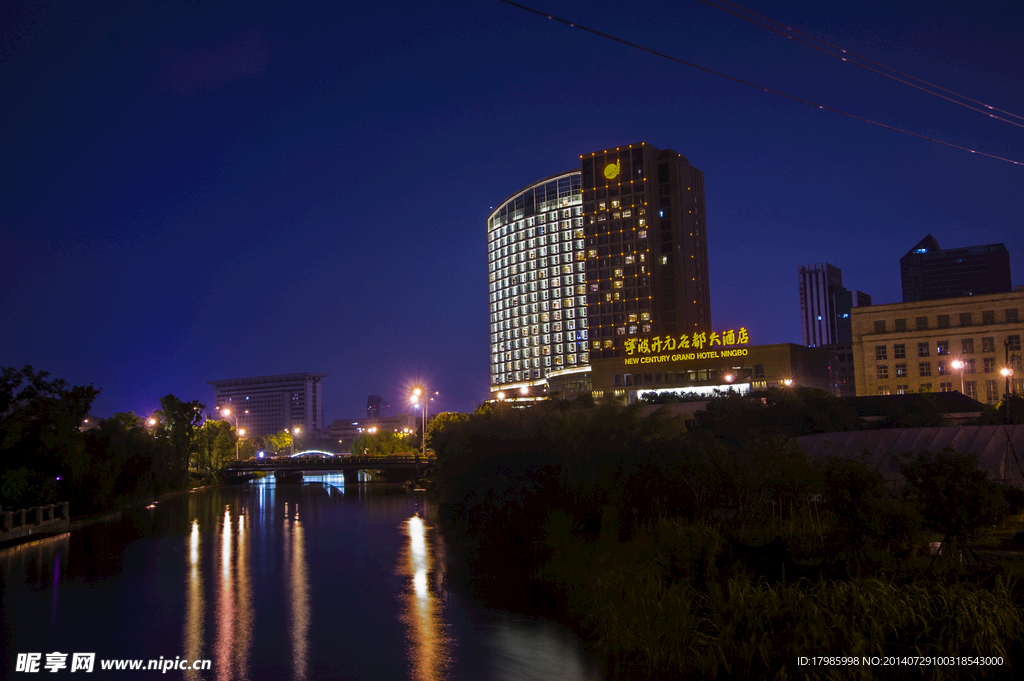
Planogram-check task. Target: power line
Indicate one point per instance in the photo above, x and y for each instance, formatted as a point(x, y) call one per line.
point(850, 57)
point(759, 87)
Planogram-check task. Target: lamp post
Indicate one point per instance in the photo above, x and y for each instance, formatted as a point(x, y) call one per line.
point(1008, 373)
point(415, 398)
point(958, 364)
point(295, 430)
point(227, 412)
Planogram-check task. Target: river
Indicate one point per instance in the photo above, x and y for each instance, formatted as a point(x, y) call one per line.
point(264, 581)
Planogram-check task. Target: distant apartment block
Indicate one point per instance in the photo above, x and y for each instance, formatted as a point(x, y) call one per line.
point(269, 404)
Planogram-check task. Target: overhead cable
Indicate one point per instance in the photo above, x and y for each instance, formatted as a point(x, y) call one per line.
point(851, 57)
point(759, 87)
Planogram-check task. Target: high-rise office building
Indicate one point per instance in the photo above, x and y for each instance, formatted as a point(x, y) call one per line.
point(818, 286)
point(825, 305)
point(268, 404)
point(373, 403)
point(583, 261)
point(931, 273)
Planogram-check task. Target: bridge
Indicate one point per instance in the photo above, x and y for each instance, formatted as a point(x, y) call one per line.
point(391, 468)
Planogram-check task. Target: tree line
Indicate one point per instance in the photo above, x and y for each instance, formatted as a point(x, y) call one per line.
point(691, 547)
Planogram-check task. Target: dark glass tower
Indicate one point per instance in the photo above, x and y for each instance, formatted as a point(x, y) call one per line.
point(930, 273)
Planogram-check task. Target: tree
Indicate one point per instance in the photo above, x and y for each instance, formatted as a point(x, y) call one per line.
point(278, 442)
point(383, 443)
point(39, 431)
point(214, 445)
point(179, 420)
point(955, 497)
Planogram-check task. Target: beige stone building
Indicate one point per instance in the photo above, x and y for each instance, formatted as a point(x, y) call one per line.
point(943, 345)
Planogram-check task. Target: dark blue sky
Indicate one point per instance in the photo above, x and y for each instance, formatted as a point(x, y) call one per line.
point(195, 191)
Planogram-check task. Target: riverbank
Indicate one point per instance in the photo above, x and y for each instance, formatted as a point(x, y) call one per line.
point(673, 554)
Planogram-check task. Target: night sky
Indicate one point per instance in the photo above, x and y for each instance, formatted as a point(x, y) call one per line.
point(208, 190)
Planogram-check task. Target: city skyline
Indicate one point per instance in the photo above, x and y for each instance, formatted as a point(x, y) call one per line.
point(200, 192)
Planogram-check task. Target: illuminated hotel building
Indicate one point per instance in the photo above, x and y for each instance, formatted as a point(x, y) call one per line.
point(537, 283)
point(581, 262)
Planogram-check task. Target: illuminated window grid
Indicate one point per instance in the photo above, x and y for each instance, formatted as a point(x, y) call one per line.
point(637, 225)
point(537, 278)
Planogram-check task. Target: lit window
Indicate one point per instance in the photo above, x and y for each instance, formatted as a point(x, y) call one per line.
point(629, 260)
point(618, 272)
point(632, 318)
point(645, 316)
point(641, 234)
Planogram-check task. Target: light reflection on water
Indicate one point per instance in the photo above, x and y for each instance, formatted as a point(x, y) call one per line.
point(322, 582)
point(427, 653)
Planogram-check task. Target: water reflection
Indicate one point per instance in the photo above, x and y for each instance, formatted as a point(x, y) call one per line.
point(428, 645)
point(298, 582)
point(194, 606)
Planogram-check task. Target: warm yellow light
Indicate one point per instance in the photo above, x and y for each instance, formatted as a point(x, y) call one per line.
point(1006, 371)
point(151, 422)
point(788, 382)
point(957, 364)
point(225, 412)
point(728, 377)
point(525, 390)
point(297, 430)
point(501, 396)
point(241, 432)
point(417, 392)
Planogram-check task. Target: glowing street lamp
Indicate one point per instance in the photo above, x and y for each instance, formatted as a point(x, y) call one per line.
point(415, 398)
point(227, 412)
point(501, 396)
point(788, 382)
point(1007, 373)
point(959, 365)
point(294, 432)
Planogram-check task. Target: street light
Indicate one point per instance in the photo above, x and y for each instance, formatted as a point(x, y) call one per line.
point(415, 398)
point(958, 364)
point(1007, 373)
point(293, 432)
point(227, 412)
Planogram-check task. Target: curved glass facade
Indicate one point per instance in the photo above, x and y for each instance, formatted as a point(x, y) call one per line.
point(536, 266)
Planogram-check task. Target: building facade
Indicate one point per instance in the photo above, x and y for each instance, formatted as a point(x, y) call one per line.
point(345, 431)
point(581, 262)
point(818, 286)
point(939, 346)
point(268, 404)
point(703, 364)
point(928, 272)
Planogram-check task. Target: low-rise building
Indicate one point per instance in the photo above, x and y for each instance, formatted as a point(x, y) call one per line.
point(939, 346)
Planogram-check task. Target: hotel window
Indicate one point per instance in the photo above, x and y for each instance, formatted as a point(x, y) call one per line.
point(946, 387)
point(926, 387)
point(991, 391)
point(969, 366)
point(1013, 342)
point(882, 371)
point(943, 369)
point(942, 347)
point(990, 365)
point(965, 319)
point(943, 321)
point(922, 323)
point(922, 349)
point(901, 326)
point(967, 346)
point(899, 351)
point(901, 370)
point(880, 326)
point(758, 371)
point(646, 317)
point(924, 369)
point(988, 344)
point(988, 317)
point(1011, 315)
point(971, 389)
point(902, 389)
point(883, 390)
point(880, 352)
